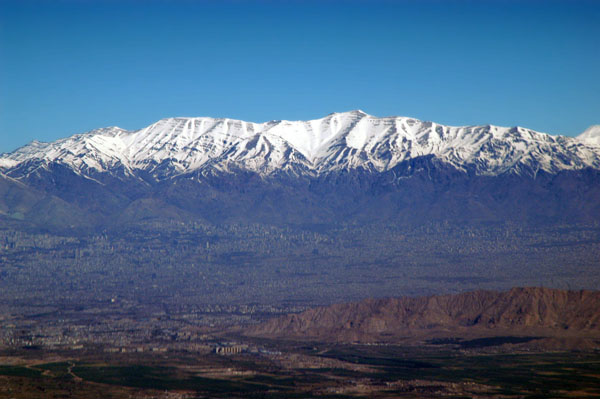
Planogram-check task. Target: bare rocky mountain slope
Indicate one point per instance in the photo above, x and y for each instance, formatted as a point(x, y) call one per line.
point(520, 311)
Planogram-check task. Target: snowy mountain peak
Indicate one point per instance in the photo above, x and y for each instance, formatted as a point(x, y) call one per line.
point(338, 141)
point(591, 135)
point(352, 113)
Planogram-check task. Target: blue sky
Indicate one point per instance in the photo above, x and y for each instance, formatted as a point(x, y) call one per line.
point(71, 66)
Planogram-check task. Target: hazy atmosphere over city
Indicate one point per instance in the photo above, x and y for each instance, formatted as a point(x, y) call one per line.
point(299, 199)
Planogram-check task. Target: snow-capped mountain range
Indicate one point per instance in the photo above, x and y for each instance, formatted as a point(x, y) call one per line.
point(340, 141)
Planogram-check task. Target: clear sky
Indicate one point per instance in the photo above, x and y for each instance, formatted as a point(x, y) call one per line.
point(71, 66)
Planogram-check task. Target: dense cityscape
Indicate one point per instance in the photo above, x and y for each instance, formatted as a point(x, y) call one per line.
point(174, 282)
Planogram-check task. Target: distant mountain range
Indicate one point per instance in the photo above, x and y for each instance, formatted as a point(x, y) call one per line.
point(345, 166)
point(340, 141)
point(521, 311)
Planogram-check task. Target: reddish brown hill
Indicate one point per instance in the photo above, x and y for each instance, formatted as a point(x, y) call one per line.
point(522, 311)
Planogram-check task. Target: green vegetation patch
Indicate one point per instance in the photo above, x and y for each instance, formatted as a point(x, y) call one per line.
point(481, 342)
point(531, 375)
point(368, 359)
point(58, 370)
point(20, 371)
point(494, 341)
point(164, 378)
point(270, 380)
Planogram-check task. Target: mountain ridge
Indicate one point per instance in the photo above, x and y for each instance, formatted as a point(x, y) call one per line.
point(339, 141)
point(343, 168)
point(527, 310)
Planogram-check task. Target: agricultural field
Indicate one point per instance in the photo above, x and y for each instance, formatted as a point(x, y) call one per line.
point(314, 370)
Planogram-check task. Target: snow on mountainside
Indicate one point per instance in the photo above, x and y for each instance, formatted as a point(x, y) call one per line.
point(339, 141)
point(591, 136)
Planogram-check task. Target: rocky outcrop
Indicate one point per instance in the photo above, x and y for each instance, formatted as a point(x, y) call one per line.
point(520, 311)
